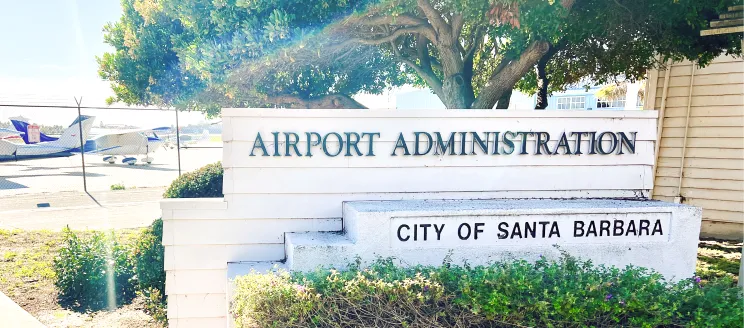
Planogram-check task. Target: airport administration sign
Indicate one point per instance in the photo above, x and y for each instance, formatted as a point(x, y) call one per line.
point(335, 144)
point(309, 188)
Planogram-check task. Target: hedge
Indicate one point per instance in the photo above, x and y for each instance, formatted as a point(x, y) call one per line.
point(205, 182)
point(87, 266)
point(563, 293)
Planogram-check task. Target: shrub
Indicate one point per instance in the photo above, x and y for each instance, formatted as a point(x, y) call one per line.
point(87, 269)
point(118, 186)
point(205, 182)
point(147, 256)
point(565, 293)
point(155, 305)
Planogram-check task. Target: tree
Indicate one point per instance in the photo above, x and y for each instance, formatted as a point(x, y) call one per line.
point(471, 53)
point(205, 54)
point(621, 40)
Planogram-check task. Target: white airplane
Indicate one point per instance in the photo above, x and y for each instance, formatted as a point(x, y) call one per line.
point(187, 140)
point(126, 143)
point(66, 145)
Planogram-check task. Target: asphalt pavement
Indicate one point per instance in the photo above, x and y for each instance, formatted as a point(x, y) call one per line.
point(49, 193)
point(80, 211)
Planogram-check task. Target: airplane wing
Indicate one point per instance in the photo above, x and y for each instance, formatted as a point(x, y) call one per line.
point(117, 140)
point(164, 129)
point(4, 133)
point(7, 148)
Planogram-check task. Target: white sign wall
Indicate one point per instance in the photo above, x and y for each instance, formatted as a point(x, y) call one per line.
point(314, 186)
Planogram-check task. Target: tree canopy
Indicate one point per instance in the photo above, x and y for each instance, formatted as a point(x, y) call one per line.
point(204, 54)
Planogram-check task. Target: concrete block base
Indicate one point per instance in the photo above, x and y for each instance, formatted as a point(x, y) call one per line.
point(657, 235)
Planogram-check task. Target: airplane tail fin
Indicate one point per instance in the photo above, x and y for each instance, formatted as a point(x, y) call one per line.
point(22, 127)
point(70, 138)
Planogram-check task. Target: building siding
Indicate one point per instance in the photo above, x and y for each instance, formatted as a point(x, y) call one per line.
point(701, 154)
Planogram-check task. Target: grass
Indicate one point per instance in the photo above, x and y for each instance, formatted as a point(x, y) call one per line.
point(718, 258)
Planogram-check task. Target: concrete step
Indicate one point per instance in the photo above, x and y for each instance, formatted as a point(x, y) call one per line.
point(308, 251)
point(723, 30)
point(727, 22)
point(736, 8)
point(478, 232)
point(730, 15)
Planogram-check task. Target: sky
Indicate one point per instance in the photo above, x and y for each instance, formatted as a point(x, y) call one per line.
point(48, 52)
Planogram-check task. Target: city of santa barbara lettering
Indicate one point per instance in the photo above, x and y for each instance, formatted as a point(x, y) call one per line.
point(332, 144)
point(546, 229)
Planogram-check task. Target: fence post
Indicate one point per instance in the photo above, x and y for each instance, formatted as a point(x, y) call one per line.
point(82, 142)
point(178, 143)
point(741, 269)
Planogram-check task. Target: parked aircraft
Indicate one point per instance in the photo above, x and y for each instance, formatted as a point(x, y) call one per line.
point(187, 140)
point(63, 146)
point(22, 129)
point(126, 143)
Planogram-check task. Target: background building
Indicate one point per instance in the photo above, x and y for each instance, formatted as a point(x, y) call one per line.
point(700, 157)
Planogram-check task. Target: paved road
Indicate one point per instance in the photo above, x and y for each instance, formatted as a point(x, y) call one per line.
point(97, 210)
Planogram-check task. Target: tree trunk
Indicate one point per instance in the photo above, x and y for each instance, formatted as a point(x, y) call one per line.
point(503, 80)
point(454, 88)
point(455, 91)
point(542, 76)
point(503, 102)
point(542, 84)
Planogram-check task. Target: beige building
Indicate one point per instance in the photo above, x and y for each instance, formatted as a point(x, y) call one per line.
point(700, 156)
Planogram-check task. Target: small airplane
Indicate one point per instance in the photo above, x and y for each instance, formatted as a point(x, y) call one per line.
point(64, 146)
point(187, 140)
point(126, 143)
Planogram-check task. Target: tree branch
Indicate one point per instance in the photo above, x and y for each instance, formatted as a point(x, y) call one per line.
point(457, 23)
point(422, 51)
point(402, 19)
point(423, 71)
point(328, 101)
point(470, 50)
point(422, 30)
point(433, 15)
point(505, 76)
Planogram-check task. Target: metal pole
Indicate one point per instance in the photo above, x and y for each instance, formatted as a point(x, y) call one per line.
point(178, 144)
point(82, 143)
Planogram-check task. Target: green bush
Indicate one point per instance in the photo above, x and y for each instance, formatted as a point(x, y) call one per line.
point(205, 182)
point(565, 293)
point(147, 256)
point(89, 269)
point(118, 186)
point(155, 305)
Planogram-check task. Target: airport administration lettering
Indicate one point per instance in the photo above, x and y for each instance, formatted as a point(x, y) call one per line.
point(334, 144)
point(507, 230)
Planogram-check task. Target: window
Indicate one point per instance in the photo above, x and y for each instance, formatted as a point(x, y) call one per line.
point(571, 102)
point(620, 103)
